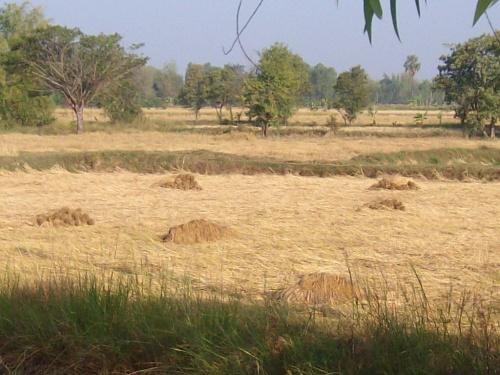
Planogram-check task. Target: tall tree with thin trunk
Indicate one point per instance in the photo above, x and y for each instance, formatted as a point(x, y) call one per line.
point(76, 65)
point(194, 93)
point(412, 66)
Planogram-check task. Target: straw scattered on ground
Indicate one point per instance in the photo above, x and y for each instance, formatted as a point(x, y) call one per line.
point(386, 204)
point(289, 226)
point(395, 183)
point(180, 182)
point(196, 231)
point(318, 289)
point(64, 217)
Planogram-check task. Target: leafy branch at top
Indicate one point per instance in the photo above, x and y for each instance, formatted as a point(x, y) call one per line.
point(373, 8)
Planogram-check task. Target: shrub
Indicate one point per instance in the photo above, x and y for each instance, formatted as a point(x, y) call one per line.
point(121, 103)
point(20, 107)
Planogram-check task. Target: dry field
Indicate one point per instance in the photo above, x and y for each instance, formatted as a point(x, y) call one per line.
point(288, 148)
point(303, 116)
point(285, 226)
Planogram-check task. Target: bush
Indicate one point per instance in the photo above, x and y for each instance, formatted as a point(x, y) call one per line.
point(20, 107)
point(121, 103)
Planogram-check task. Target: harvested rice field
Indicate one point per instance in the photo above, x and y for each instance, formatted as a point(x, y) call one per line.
point(282, 227)
point(284, 148)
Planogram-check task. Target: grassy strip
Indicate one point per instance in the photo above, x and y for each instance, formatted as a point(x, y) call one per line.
point(87, 326)
point(482, 163)
point(440, 157)
point(211, 127)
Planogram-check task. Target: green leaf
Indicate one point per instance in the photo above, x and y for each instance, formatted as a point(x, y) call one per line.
point(368, 18)
point(394, 15)
point(377, 8)
point(482, 7)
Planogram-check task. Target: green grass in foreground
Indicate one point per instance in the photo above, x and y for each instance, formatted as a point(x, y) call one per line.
point(482, 163)
point(85, 327)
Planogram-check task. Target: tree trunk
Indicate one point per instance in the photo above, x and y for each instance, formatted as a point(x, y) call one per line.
point(218, 111)
point(264, 129)
point(231, 117)
point(79, 118)
point(493, 129)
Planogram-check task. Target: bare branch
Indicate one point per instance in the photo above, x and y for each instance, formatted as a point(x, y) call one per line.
point(495, 32)
point(238, 35)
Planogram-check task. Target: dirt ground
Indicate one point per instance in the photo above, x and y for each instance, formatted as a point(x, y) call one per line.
point(285, 226)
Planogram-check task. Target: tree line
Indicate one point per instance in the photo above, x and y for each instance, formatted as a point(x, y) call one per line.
point(44, 65)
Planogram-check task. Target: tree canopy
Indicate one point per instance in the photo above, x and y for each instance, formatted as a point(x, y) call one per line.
point(470, 78)
point(76, 65)
point(412, 65)
point(22, 101)
point(194, 93)
point(273, 91)
point(322, 80)
point(352, 93)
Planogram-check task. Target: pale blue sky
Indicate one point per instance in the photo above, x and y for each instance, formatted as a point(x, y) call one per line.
point(196, 30)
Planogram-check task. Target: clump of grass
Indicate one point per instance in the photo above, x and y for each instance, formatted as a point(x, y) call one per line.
point(91, 325)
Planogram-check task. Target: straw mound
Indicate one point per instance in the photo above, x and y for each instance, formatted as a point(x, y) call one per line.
point(181, 182)
point(65, 217)
point(395, 183)
point(384, 204)
point(196, 231)
point(318, 289)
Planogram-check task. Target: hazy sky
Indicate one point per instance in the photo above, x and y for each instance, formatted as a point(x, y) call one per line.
point(196, 30)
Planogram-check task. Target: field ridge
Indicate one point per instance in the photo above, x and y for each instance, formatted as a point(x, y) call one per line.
point(456, 164)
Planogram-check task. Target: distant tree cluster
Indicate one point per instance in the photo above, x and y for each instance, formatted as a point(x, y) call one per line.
point(219, 88)
point(158, 87)
point(43, 65)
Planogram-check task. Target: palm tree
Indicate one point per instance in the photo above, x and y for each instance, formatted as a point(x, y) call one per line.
point(412, 65)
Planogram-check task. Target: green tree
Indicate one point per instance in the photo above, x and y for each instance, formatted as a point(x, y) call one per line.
point(77, 65)
point(158, 87)
point(194, 93)
point(353, 93)
point(274, 90)
point(224, 88)
point(145, 81)
point(122, 102)
point(470, 78)
point(19, 20)
point(22, 101)
point(390, 90)
point(168, 82)
point(412, 66)
point(322, 80)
